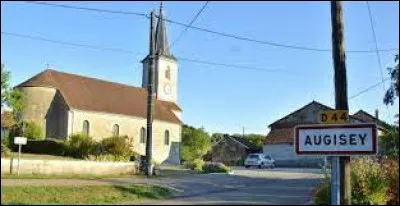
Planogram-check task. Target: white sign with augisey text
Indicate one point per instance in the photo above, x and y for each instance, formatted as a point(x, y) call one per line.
point(346, 139)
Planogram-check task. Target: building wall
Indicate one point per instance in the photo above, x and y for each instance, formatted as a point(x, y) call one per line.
point(228, 151)
point(9, 166)
point(285, 156)
point(101, 125)
point(38, 101)
point(46, 107)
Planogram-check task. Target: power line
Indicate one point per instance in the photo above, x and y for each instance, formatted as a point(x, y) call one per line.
point(208, 30)
point(368, 88)
point(190, 24)
point(377, 52)
point(88, 9)
point(132, 52)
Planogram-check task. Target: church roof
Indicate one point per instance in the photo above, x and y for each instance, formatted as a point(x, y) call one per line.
point(92, 94)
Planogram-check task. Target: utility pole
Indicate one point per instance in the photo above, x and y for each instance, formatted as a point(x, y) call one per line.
point(339, 59)
point(243, 132)
point(150, 99)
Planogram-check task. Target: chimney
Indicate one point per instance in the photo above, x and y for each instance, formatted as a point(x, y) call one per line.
point(376, 115)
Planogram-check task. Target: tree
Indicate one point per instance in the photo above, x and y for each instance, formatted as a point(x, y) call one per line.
point(389, 143)
point(256, 139)
point(195, 143)
point(393, 90)
point(13, 98)
point(216, 137)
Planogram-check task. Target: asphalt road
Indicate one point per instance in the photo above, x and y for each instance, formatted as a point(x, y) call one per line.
point(244, 186)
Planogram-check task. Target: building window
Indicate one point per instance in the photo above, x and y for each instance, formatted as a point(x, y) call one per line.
point(168, 73)
point(86, 128)
point(115, 130)
point(166, 137)
point(143, 135)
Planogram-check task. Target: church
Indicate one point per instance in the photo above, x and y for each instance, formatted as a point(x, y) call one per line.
point(64, 104)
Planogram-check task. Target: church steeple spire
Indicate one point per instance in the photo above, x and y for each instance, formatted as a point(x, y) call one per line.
point(162, 46)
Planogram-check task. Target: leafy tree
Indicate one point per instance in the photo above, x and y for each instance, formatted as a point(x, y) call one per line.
point(13, 98)
point(215, 137)
point(389, 143)
point(195, 143)
point(393, 90)
point(256, 139)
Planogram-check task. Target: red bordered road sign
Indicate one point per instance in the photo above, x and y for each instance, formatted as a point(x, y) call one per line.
point(336, 139)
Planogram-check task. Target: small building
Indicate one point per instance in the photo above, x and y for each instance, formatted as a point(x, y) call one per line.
point(279, 142)
point(232, 150)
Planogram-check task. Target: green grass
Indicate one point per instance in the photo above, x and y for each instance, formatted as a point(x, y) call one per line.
point(68, 176)
point(72, 195)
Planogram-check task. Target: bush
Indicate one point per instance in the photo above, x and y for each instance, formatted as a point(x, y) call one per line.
point(48, 146)
point(5, 151)
point(117, 146)
point(391, 170)
point(196, 164)
point(32, 131)
point(215, 168)
point(81, 146)
point(368, 183)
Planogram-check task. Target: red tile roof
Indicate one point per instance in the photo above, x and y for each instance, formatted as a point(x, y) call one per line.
point(91, 94)
point(280, 136)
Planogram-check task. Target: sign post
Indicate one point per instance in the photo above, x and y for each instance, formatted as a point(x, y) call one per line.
point(19, 141)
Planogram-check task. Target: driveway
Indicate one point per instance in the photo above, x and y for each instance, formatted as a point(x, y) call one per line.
point(244, 186)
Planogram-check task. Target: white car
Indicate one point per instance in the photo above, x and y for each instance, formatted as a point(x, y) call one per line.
point(259, 160)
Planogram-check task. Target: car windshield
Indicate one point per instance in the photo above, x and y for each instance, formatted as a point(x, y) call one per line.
point(254, 157)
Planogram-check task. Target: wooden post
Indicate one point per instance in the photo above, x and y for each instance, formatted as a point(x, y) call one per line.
point(150, 100)
point(339, 59)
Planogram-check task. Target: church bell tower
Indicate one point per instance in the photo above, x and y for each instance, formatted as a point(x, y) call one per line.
point(166, 65)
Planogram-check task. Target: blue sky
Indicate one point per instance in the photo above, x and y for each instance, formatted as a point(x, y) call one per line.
point(220, 99)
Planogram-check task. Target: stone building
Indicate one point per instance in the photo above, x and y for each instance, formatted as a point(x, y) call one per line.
point(279, 141)
point(65, 104)
point(232, 150)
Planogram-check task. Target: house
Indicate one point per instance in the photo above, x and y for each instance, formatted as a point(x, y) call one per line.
point(232, 150)
point(279, 141)
point(64, 104)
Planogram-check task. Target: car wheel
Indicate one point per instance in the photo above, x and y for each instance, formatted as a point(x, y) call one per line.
point(272, 166)
point(260, 166)
point(247, 166)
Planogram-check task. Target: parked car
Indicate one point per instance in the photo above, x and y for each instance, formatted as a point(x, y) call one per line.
point(259, 160)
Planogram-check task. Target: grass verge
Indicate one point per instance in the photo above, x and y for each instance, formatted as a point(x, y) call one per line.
point(72, 195)
point(68, 176)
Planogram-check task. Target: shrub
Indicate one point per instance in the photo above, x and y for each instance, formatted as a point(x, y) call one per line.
point(5, 151)
point(32, 131)
point(81, 146)
point(391, 170)
point(117, 146)
point(48, 146)
point(196, 164)
point(215, 168)
point(368, 183)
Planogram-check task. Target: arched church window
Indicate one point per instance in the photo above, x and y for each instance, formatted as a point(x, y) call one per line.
point(115, 130)
point(86, 128)
point(168, 73)
point(143, 135)
point(166, 137)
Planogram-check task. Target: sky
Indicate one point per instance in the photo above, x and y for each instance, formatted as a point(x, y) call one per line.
point(218, 98)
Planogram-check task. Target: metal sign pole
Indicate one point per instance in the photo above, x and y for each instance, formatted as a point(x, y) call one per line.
point(19, 157)
point(335, 186)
